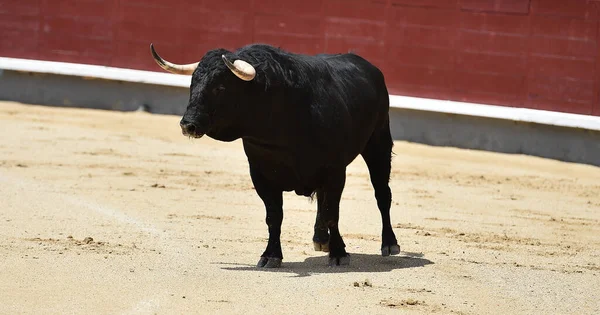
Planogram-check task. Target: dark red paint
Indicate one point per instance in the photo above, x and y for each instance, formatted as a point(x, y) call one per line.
point(524, 53)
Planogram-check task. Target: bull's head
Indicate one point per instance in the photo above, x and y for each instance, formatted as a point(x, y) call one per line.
point(214, 93)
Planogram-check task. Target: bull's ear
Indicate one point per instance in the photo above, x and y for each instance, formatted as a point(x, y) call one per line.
point(240, 68)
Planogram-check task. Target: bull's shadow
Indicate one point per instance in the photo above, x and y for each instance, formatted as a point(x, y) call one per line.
point(358, 263)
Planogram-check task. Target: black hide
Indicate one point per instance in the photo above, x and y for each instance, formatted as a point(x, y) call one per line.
point(302, 120)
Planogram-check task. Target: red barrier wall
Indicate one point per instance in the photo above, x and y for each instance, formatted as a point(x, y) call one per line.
point(524, 53)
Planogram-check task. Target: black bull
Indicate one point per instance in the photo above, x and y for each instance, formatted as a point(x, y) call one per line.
point(302, 119)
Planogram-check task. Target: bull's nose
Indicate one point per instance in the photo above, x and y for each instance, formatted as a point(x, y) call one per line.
point(187, 128)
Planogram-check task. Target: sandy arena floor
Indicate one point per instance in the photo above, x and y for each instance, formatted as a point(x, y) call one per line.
point(117, 213)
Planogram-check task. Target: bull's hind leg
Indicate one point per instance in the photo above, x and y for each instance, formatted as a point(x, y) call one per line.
point(378, 155)
point(321, 236)
point(331, 194)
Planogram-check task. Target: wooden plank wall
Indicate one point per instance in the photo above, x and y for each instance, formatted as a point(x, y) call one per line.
point(524, 53)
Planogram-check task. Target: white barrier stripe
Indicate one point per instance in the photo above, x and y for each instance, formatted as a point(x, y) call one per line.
point(498, 112)
point(396, 101)
point(93, 71)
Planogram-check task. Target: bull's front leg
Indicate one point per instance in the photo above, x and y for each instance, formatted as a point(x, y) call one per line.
point(273, 200)
point(332, 194)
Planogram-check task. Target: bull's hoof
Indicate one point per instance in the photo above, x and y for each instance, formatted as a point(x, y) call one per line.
point(321, 247)
point(387, 250)
point(339, 261)
point(269, 262)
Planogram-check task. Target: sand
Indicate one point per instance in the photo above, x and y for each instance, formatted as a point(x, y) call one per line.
point(118, 213)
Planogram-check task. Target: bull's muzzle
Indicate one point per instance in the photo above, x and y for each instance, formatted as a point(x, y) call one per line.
point(190, 129)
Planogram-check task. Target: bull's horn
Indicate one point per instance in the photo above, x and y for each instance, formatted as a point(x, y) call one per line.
point(171, 67)
point(240, 68)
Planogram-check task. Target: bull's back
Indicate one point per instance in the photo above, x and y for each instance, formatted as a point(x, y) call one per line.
point(355, 103)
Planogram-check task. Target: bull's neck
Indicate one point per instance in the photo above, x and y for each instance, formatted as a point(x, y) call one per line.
point(264, 134)
point(265, 128)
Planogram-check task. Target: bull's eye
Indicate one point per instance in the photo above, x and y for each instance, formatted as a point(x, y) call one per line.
point(217, 90)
